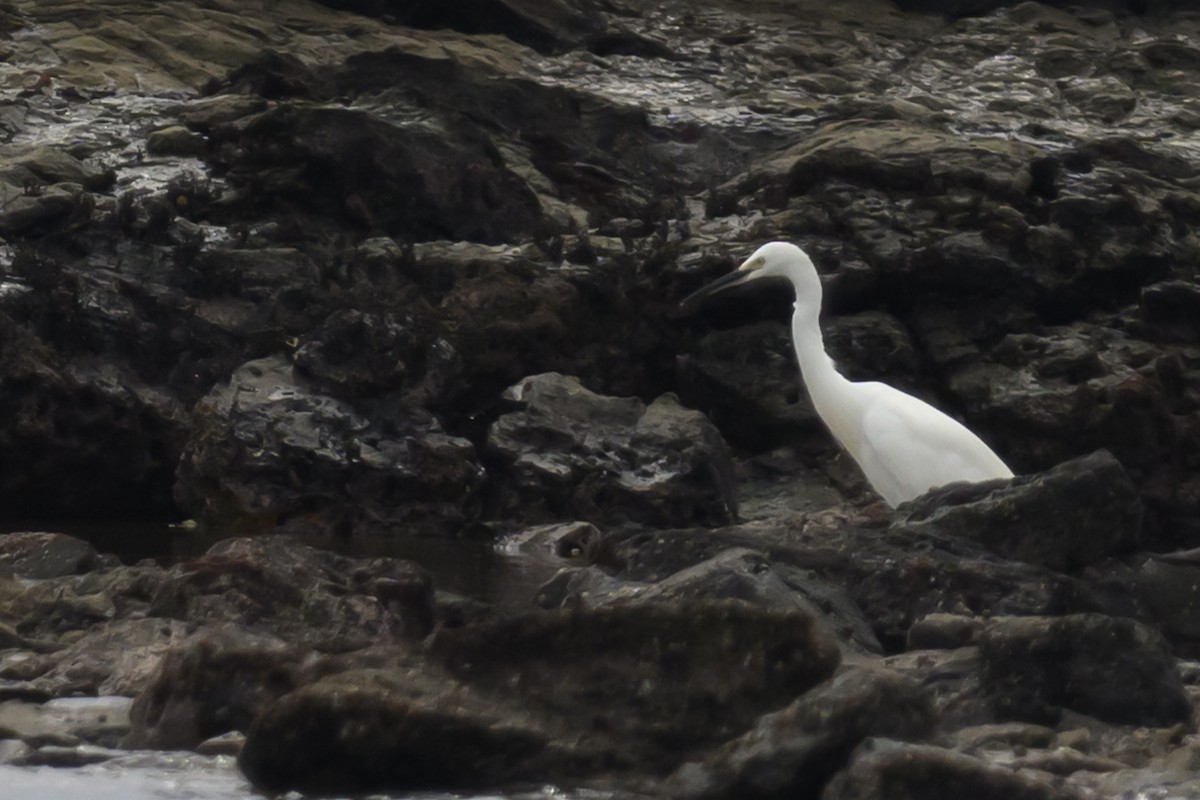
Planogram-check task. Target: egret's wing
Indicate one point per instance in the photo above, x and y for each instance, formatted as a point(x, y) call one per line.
point(909, 447)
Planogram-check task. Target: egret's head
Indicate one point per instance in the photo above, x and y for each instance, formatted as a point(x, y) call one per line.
point(772, 260)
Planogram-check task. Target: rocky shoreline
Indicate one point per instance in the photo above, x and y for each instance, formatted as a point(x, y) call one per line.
point(343, 272)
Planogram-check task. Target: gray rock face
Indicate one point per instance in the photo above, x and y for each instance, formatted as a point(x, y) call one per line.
point(570, 451)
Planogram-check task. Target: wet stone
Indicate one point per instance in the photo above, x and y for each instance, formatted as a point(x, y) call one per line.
point(613, 459)
point(46, 555)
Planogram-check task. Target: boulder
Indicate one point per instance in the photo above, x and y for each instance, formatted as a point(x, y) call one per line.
point(1113, 668)
point(672, 678)
point(555, 696)
point(268, 447)
point(217, 681)
point(46, 555)
point(374, 729)
point(567, 450)
point(735, 574)
point(1065, 518)
point(795, 751)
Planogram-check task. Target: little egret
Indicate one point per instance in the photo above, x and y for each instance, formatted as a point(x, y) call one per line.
point(903, 445)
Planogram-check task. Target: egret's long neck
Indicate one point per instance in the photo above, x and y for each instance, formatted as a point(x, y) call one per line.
point(825, 385)
point(815, 365)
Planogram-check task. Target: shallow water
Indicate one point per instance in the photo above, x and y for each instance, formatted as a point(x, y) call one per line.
point(184, 776)
point(506, 578)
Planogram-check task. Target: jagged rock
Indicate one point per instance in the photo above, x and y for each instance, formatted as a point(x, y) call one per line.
point(359, 354)
point(882, 768)
point(606, 459)
point(272, 585)
point(1065, 518)
point(267, 447)
point(1113, 668)
point(736, 574)
point(793, 752)
point(894, 576)
point(46, 555)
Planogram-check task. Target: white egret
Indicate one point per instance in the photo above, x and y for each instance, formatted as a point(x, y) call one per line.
point(903, 445)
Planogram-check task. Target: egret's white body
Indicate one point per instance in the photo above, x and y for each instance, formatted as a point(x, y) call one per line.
point(903, 445)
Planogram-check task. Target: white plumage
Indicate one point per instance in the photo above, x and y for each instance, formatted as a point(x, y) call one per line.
point(903, 445)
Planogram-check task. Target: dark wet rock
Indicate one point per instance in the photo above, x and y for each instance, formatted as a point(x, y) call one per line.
point(359, 353)
point(1002, 734)
point(944, 631)
point(736, 574)
point(1166, 589)
point(411, 178)
point(217, 681)
point(746, 380)
point(94, 431)
point(564, 539)
point(1113, 668)
point(268, 447)
point(685, 652)
point(793, 752)
point(176, 140)
point(953, 679)
point(894, 576)
point(673, 679)
point(1067, 517)
point(277, 587)
point(1173, 307)
point(40, 211)
point(571, 451)
point(46, 555)
point(882, 768)
point(547, 26)
point(366, 730)
point(46, 166)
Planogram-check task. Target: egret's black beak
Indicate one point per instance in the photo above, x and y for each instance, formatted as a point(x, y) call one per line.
point(722, 283)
